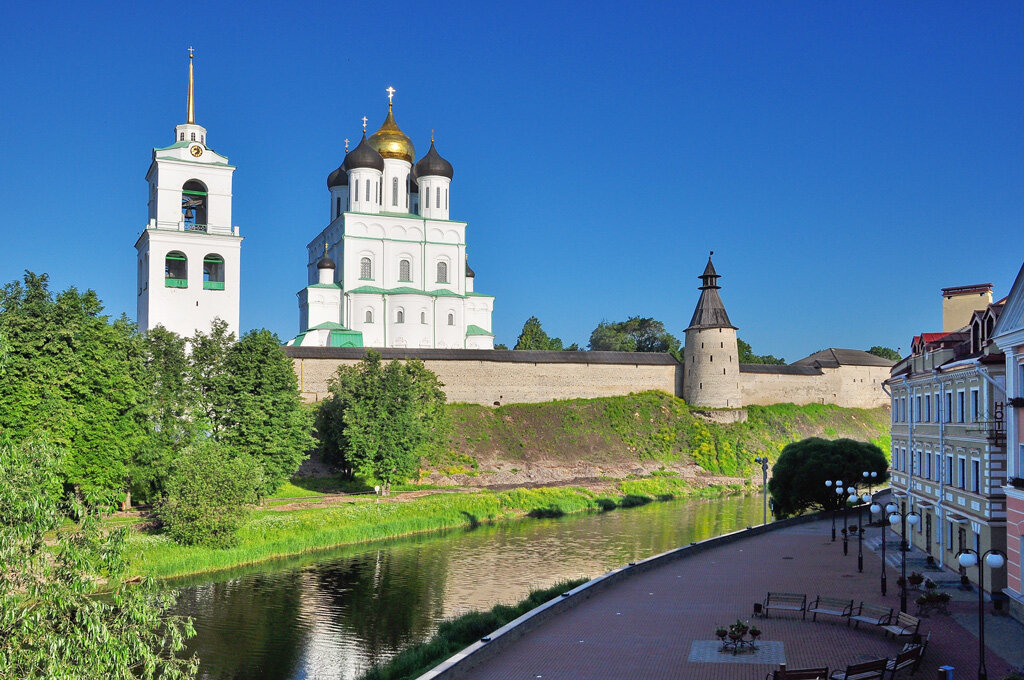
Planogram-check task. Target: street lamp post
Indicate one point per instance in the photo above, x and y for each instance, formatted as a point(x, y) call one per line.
point(763, 460)
point(828, 485)
point(846, 507)
point(869, 479)
point(905, 518)
point(875, 507)
point(995, 559)
point(861, 500)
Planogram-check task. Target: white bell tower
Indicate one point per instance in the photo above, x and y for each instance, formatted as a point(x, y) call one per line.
point(189, 253)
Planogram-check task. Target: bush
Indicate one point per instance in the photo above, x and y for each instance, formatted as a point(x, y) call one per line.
point(209, 496)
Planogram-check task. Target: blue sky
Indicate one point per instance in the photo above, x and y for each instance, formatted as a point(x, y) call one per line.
point(844, 160)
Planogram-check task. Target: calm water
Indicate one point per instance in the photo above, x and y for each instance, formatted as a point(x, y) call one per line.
point(330, 616)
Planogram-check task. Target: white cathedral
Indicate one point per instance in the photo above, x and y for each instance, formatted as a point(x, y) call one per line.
point(390, 269)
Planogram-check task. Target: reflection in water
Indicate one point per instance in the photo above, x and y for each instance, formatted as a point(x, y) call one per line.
point(330, 616)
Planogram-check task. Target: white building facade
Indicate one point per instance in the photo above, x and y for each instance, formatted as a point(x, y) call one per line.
point(390, 269)
point(189, 255)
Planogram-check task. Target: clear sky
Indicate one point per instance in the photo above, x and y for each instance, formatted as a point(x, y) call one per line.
point(844, 160)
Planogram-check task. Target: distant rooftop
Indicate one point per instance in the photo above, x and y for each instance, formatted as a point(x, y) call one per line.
point(967, 290)
point(834, 358)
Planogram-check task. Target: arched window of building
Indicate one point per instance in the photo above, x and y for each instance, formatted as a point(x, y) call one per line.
point(369, 316)
point(451, 319)
point(176, 270)
point(394, 191)
point(337, 206)
point(355, 194)
point(400, 317)
point(427, 194)
point(213, 272)
point(194, 205)
point(438, 197)
point(423, 317)
point(404, 270)
point(365, 268)
point(445, 199)
point(367, 190)
point(442, 272)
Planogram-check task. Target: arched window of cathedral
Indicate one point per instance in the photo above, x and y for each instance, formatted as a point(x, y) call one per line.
point(355, 194)
point(367, 190)
point(176, 270)
point(442, 272)
point(193, 136)
point(423, 317)
point(193, 205)
point(369, 316)
point(438, 197)
point(365, 268)
point(400, 317)
point(213, 272)
point(337, 206)
point(394, 191)
point(404, 270)
point(445, 199)
point(427, 194)
point(451, 319)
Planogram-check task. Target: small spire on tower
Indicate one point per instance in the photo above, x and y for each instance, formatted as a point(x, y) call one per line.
point(346, 145)
point(364, 124)
point(325, 248)
point(191, 96)
point(431, 135)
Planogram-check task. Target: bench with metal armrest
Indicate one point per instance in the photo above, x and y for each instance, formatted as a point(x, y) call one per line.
point(830, 605)
point(871, 613)
point(790, 602)
point(868, 670)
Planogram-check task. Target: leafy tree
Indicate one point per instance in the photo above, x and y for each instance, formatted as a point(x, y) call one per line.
point(207, 373)
point(51, 625)
point(747, 355)
point(798, 476)
point(885, 352)
point(390, 415)
point(258, 410)
point(635, 334)
point(209, 494)
point(500, 345)
point(533, 337)
point(71, 373)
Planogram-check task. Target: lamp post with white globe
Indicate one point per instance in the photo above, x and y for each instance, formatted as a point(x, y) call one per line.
point(870, 478)
point(875, 507)
point(838, 487)
point(911, 518)
point(863, 499)
point(995, 560)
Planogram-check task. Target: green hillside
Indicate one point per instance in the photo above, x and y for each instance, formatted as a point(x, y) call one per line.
point(639, 429)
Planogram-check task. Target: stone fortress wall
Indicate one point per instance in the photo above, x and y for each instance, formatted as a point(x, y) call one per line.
point(487, 377)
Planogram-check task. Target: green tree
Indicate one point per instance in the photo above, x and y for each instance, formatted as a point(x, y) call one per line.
point(747, 356)
point(209, 495)
point(885, 352)
point(799, 475)
point(71, 373)
point(390, 416)
point(258, 410)
point(207, 373)
point(52, 626)
point(533, 337)
point(635, 334)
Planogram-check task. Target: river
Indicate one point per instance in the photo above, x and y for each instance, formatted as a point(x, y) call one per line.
point(330, 616)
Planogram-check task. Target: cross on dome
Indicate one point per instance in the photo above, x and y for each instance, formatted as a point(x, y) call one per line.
point(346, 145)
point(190, 51)
point(364, 124)
point(391, 93)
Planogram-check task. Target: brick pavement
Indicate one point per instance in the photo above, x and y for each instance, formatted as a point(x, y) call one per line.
point(644, 626)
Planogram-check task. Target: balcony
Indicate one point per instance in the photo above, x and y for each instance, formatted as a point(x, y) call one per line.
point(213, 285)
point(993, 429)
point(176, 283)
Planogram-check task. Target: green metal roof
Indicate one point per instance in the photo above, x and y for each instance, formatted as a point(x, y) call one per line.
point(324, 285)
point(176, 145)
point(405, 290)
point(475, 294)
point(327, 326)
point(476, 330)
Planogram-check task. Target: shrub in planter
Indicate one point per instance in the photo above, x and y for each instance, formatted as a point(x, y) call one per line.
point(754, 632)
point(929, 584)
point(916, 578)
point(721, 632)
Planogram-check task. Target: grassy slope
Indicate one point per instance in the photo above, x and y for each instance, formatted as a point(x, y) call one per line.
point(645, 426)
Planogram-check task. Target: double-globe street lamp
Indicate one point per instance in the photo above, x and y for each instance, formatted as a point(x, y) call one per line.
point(995, 560)
point(911, 518)
point(839, 487)
point(861, 500)
point(869, 479)
point(875, 507)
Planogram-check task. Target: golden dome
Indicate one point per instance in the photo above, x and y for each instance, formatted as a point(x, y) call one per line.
point(391, 142)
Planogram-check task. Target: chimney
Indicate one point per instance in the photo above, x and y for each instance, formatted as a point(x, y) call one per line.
point(959, 302)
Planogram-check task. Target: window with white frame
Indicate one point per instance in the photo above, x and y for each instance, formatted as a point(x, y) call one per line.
point(948, 415)
point(365, 268)
point(975, 405)
point(960, 406)
point(442, 272)
point(935, 411)
point(927, 474)
point(962, 470)
point(975, 475)
point(949, 470)
point(369, 316)
point(400, 316)
point(404, 270)
point(927, 409)
point(451, 319)
point(394, 191)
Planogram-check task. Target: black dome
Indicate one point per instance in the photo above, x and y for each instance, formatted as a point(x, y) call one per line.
point(433, 164)
point(413, 187)
point(363, 156)
point(325, 263)
point(338, 178)
point(470, 274)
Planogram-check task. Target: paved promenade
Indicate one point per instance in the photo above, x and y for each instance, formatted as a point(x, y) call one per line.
point(652, 625)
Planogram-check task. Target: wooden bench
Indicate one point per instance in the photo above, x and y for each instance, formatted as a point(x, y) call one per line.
point(784, 673)
point(910, 656)
point(830, 605)
point(921, 643)
point(869, 670)
point(871, 613)
point(789, 602)
point(904, 625)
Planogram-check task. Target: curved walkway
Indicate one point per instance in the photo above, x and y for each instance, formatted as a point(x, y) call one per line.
point(645, 626)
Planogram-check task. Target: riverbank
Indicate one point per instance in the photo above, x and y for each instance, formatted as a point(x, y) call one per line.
point(275, 533)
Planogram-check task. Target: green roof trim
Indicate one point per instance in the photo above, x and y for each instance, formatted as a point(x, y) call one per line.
point(405, 290)
point(328, 326)
point(476, 330)
point(405, 215)
point(176, 145)
point(185, 160)
point(475, 294)
point(297, 340)
point(346, 338)
point(324, 285)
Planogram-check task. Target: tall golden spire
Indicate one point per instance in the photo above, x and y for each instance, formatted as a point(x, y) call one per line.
point(191, 95)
